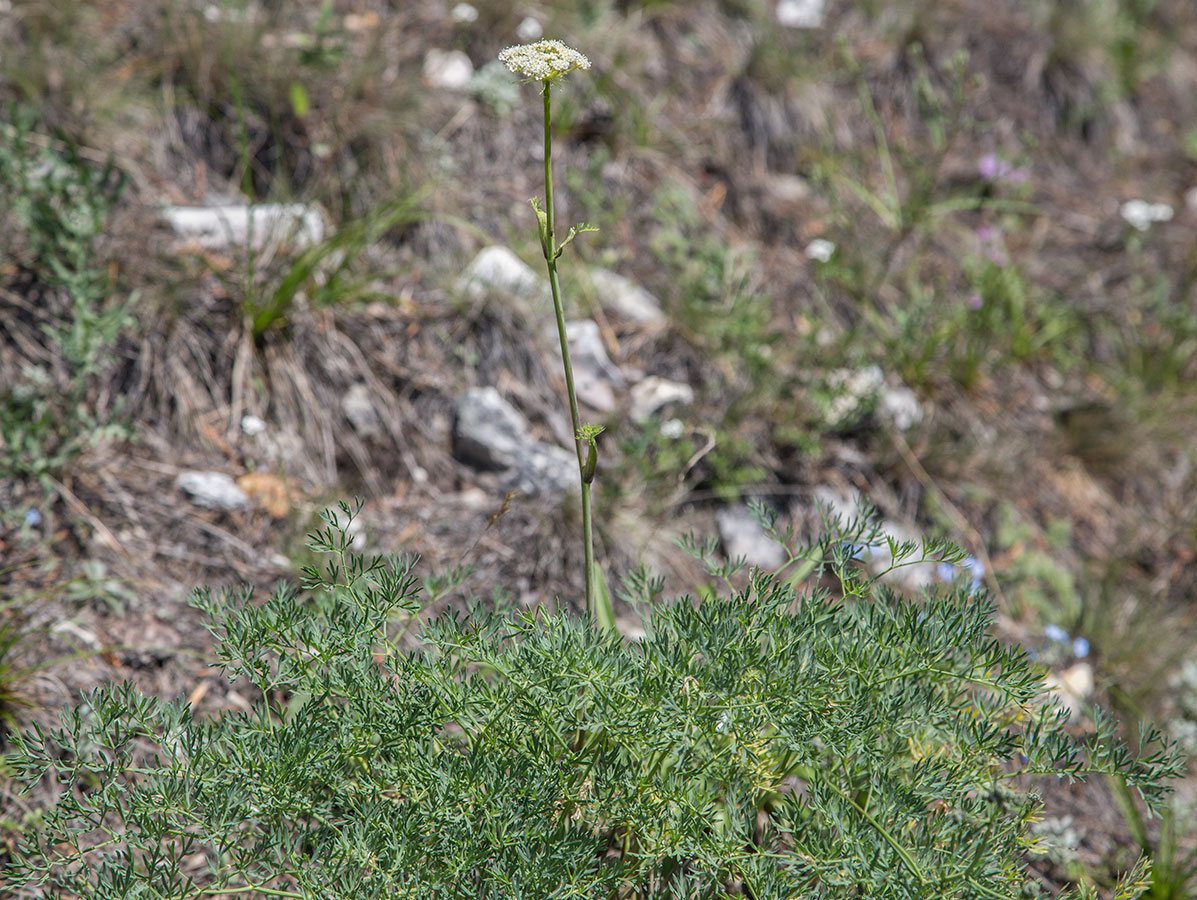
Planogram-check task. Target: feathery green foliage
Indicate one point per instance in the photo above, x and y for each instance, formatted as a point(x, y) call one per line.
point(761, 743)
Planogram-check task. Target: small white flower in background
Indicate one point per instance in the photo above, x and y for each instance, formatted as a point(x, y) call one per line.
point(543, 60)
point(820, 250)
point(252, 425)
point(464, 14)
point(1142, 215)
point(529, 29)
point(673, 429)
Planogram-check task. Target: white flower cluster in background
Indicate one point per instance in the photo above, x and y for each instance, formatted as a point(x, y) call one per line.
point(543, 60)
point(1142, 215)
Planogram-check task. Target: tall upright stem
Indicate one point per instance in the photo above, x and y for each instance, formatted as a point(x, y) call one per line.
point(550, 254)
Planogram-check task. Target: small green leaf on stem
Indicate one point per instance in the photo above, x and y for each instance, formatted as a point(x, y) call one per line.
point(574, 231)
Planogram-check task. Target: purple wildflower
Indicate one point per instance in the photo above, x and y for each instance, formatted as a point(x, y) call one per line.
point(992, 168)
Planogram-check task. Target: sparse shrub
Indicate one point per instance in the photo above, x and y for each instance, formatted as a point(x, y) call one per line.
point(57, 210)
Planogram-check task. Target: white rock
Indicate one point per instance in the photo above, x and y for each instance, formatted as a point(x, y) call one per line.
point(900, 407)
point(820, 250)
point(252, 426)
point(73, 630)
point(359, 409)
point(800, 13)
point(448, 69)
point(546, 469)
point(491, 434)
point(627, 299)
point(1073, 686)
point(596, 378)
point(498, 269)
point(261, 227)
point(653, 393)
point(673, 429)
point(743, 536)
point(212, 490)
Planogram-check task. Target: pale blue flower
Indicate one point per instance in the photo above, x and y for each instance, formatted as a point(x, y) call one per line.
point(976, 570)
point(1080, 647)
point(1055, 634)
point(33, 518)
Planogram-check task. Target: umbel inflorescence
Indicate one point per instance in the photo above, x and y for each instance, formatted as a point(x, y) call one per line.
point(543, 60)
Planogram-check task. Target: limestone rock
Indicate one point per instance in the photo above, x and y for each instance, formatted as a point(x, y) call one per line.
point(627, 299)
point(596, 377)
point(497, 269)
point(360, 410)
point(653, 393)
point(260, 227)
point(212, 490)
point(491, 434)
point(743, 536)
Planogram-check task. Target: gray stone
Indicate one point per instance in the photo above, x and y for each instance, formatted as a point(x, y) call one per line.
point(260, 228)
point(596, 378)
point(653, 392)
point(491, 434)
point(743, 536)
point(627, 299)
point(212, 490)
point(546, 469)
point(496, 268)
point(360, 410)
point(800, 13)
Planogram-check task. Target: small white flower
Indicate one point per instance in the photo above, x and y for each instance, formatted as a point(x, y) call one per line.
point(529, 29)
point(820, 250)
point(464, 14)
point(543, 60)
point(1142, 215)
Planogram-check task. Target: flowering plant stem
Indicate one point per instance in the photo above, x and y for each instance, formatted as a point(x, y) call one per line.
point(551, 252)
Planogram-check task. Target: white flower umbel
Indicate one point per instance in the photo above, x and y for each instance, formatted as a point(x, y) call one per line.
point(1142, 215)
point(543, 60)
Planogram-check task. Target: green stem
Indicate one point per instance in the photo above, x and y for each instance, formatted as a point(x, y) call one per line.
point(549, 243)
